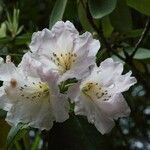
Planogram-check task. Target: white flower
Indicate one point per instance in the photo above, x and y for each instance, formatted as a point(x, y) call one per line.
point(100, 98)
point(31, 99)
point(64, 50)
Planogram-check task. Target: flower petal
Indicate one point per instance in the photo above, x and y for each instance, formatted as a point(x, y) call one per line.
point(59, 38)
point(60, 107)
point(35, 113)
point(6, 71)
point(4, 101)
point(86, 44)
point(83, 106)
point(115, 107)
point(123, 83)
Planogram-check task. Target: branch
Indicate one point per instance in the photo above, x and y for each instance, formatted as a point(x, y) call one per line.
point(144, 33)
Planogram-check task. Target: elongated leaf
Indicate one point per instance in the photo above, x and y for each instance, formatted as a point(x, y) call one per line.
point(121, 17)
point(141, 54)
point(36, 142)
point(142, 6)
point(15, 133)
point(107, 27)
point(57, 12)
point(83, 18)
point(101, 8)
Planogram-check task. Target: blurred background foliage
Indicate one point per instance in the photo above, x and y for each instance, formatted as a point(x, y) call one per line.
point(122, 26)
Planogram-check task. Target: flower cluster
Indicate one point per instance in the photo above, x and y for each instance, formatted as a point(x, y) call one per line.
point(31, 91)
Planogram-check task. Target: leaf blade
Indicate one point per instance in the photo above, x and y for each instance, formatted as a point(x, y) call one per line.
point(57, 12)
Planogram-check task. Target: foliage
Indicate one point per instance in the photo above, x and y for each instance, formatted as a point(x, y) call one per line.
point(122, 26)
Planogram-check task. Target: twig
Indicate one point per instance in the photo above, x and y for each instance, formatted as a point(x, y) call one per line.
point(143, 35)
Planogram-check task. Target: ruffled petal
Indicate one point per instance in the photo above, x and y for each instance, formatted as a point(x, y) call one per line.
point(60, 107)
point(59, 38)
point(37, 114)
point(108, 70)
point(115, 107)
point(7, 70)
point(4, 101)
point(29, 65)
point(86, 44)
point(84, 106)
point(122, 83)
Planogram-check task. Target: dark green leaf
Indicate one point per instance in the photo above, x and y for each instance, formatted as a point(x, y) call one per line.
point(101, 8)
point(57, 12)
point(15, 133)
point(107, 27)
point(121, 17)
point(83, 18)
point(142, 6)
point(23, 39)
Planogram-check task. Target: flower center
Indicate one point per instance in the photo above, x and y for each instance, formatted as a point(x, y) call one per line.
point(95, 91)
point(30, 91)
point(64, 61)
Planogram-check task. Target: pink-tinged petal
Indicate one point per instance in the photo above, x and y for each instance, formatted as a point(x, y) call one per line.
point(115, 107)
point(60, 26)
point(4, 101)
point(108, 70)
point(29, 65)
point(84, 106)
point(73, 91)
point(59, 38)
point(102, 123)
point(43, 41)
point(37, 114)
point(79, 105)
point(86, 43)
point(123, 83)
point(6, 71)
point(78, 71)
point(60, 107)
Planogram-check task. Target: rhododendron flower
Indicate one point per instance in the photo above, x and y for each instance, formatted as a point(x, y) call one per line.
point(100, 98)
point(64, 50)
point(32, 100)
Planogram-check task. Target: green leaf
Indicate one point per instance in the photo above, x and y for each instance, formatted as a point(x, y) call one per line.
point(71, 7)
point(141, 54)
point(36, 142)
point(121, 17)
point(107, 27)
point(142, 6)
point(57, 12)
point(15, 133)
point(83, 18)
point(23, 39)
point(134, 33)
point(3, 30)
point(101, 8)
